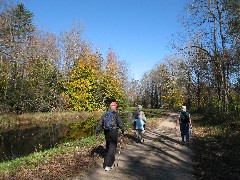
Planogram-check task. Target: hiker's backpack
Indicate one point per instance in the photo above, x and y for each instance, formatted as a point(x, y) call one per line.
point(108, 120)
point(184, 117)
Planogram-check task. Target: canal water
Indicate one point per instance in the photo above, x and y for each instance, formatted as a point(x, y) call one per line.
point(23, 141)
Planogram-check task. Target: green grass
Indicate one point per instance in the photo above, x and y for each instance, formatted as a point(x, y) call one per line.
point(36, 159)
point(39, 162)
point(9, 122)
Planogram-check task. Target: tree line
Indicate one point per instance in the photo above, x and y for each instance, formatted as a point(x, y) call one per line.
point(204, 71)
point(40, 71)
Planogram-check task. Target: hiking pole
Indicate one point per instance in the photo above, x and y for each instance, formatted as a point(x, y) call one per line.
point(119, 152)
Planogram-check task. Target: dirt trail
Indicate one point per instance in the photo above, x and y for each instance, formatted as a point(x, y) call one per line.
point(161, 156)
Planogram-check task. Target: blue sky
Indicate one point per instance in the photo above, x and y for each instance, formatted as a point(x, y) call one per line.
point(139, 31)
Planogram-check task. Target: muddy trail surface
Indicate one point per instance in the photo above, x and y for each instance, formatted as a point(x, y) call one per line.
point(160, 156)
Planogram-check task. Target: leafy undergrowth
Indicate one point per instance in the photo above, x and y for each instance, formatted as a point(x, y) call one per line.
point(217, 149)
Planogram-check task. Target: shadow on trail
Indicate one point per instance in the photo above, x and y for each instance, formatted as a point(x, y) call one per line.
point(131, 137)
point(162, 136)
point(150, 161)
point(160, 156)
point(158, 137)
point(165, 153)
point(166, 140)
point(99, 151)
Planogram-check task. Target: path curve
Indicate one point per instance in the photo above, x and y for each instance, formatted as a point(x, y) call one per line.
point(160, 156)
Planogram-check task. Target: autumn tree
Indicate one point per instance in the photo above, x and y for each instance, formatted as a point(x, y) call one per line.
point(84, 87)
point(43, 73)
point(232, 8)
point(16, 31)
point(133, 92)
point(208, 21)
point(114, 80)
point(72, 45)
point(30, 65)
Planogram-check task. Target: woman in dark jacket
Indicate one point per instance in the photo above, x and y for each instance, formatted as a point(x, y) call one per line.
point(185, 123)
point(110, 122)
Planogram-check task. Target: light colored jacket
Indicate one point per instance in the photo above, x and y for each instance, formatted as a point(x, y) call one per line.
point(139, 124)
point(142, 116)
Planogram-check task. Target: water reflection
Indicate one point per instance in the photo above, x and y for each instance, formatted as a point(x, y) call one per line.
point(23, 141)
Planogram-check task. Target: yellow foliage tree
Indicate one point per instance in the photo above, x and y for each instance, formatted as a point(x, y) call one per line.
point(84, 87)
point(113, 81)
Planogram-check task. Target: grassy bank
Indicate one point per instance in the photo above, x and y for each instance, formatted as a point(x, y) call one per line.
point(62, 161)
point(217, 148)
point(65, 160)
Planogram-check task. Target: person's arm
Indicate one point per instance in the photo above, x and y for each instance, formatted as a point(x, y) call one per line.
point(99, 126)
point(190, 121)
point(120, 123)
point(133, 118)
point(144, 117)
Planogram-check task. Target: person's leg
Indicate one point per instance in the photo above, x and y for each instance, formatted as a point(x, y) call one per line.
point(107, 139)
point(112, 152)
point(187, 133)
point(137, 133)
point(182, 131)
point(107, 145)
point(110, 158)
point(140, 134)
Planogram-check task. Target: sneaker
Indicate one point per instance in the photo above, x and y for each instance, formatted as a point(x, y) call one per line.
point(107, 168)
point(183, 142)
